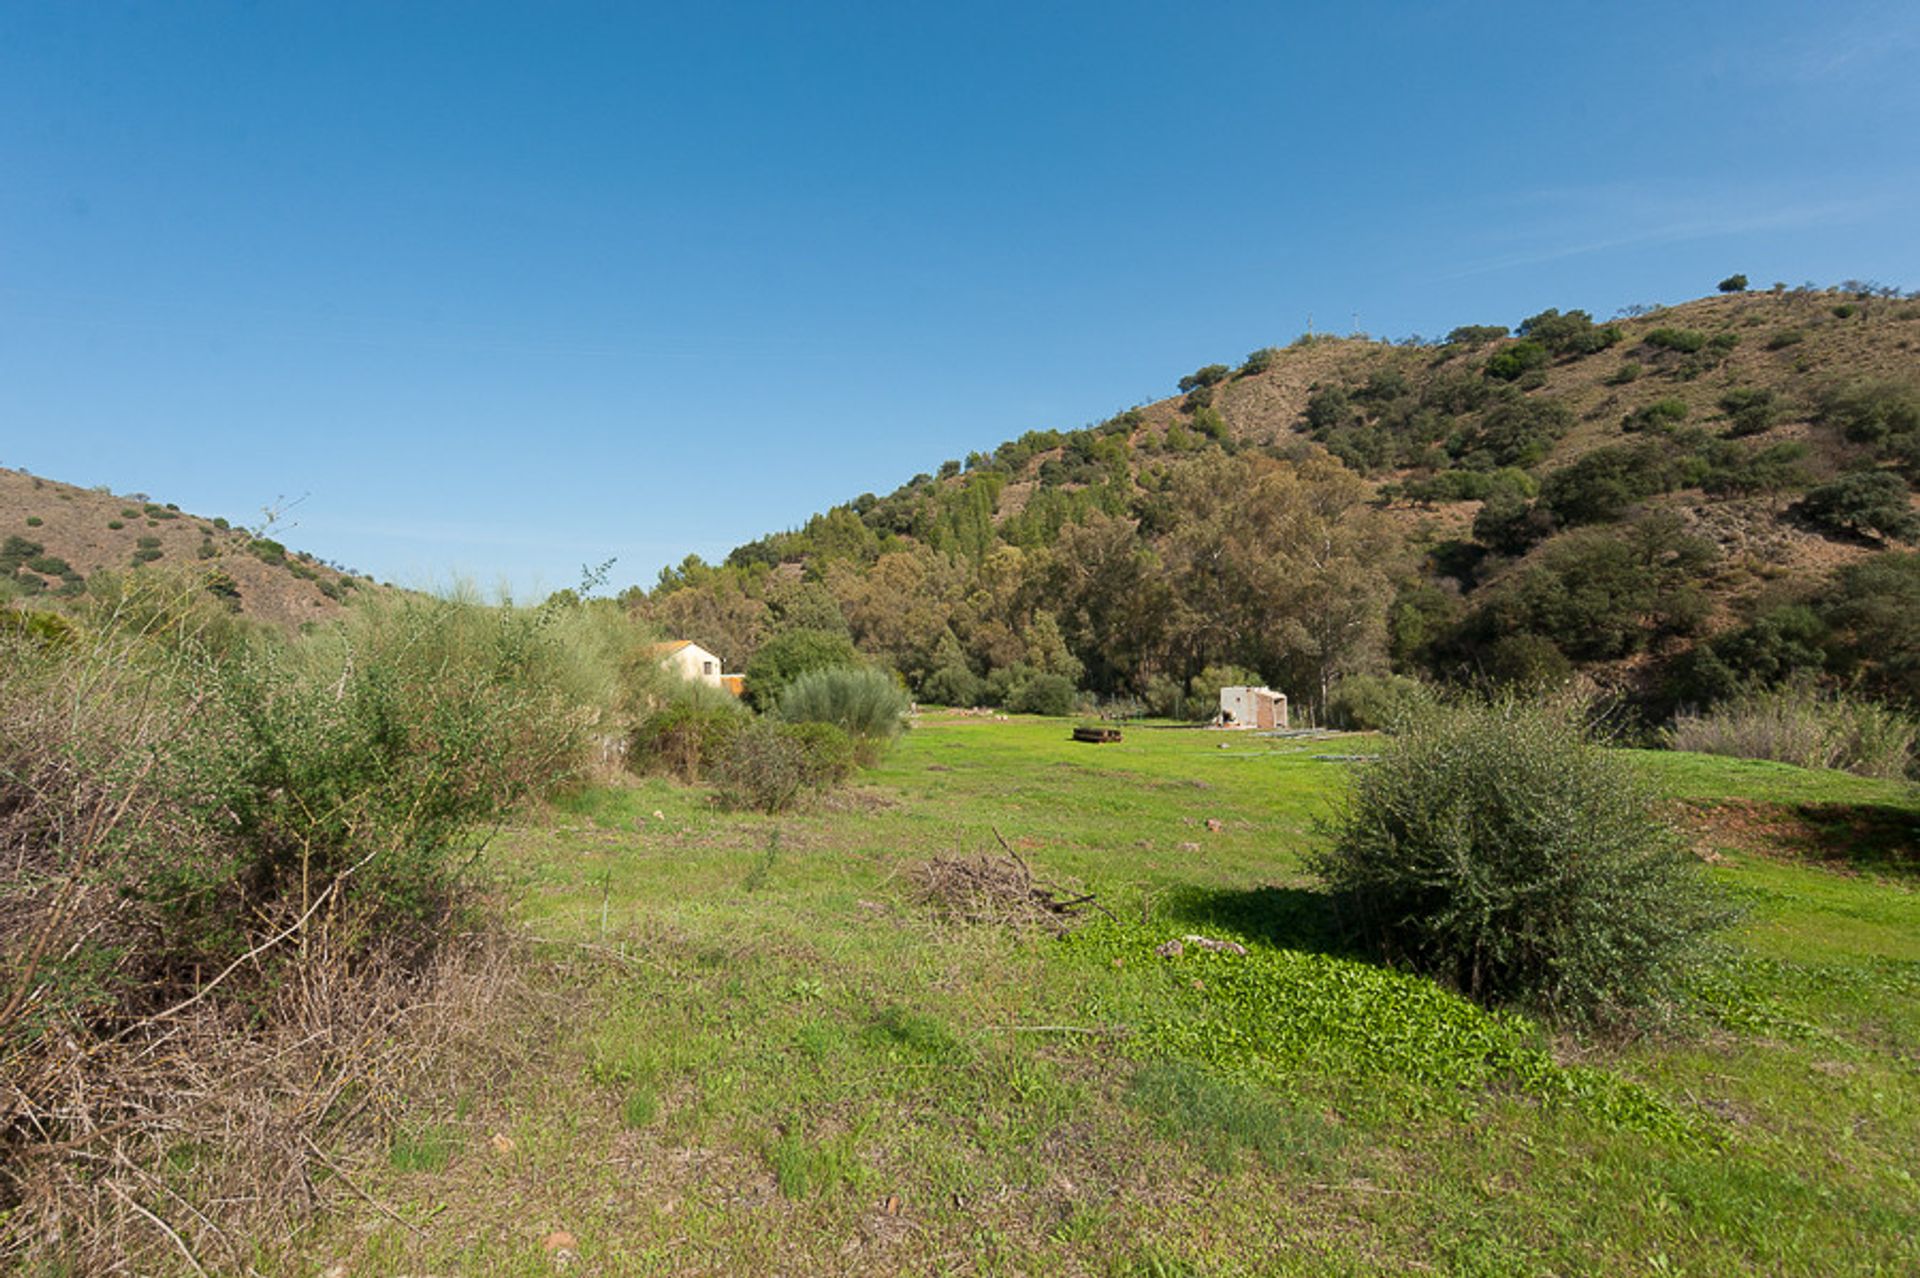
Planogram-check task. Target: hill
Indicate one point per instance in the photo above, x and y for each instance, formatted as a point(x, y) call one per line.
point(1644, 500)
point(56, 539)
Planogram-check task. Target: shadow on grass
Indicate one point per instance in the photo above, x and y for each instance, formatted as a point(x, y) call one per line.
point(1288, 918)
point(1866, 836)
point(1880, 838)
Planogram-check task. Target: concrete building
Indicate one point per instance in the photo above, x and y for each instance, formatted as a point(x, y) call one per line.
point(1258, 708)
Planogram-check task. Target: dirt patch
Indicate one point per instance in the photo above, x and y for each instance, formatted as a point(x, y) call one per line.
point(1845, 836)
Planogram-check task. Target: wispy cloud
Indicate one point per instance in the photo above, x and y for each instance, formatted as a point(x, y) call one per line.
point(1560, 221)
point(1881, 38)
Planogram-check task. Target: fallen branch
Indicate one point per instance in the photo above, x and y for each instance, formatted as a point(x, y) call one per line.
point(358, 1192)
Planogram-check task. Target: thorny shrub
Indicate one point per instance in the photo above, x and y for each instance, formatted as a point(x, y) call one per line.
point(214, 838)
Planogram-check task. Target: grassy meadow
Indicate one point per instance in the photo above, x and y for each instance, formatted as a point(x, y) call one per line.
point(748, 1047)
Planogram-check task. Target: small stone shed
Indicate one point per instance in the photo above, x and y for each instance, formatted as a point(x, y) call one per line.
point(1258, 708)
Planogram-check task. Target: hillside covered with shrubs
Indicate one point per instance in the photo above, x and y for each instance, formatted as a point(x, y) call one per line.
point(1681, 504)
point(60, 545)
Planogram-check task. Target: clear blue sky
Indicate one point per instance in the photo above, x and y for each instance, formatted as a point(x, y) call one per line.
point(502, 289)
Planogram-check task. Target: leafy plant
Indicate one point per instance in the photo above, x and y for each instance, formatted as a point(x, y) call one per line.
point(1864, 503)
point(1210, 375)
point(769, 765)
point(787, 656)
point(1511, 362)
point(1801, 725)
point(1501, 849)
point(863, 702)
point(1684, 340)
point(1750, 409)
point(687, 738)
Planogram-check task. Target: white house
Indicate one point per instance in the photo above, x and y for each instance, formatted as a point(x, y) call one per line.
point(1247, 707)
point(691, 661)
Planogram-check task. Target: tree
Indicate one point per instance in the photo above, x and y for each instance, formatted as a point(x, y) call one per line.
point(1865, 503)
point(1573, 333)
point(1509, 362)
point(1734, 284)
point(1289, 575)
point(1875, 617)
point(1207, 376)
point(785, 657)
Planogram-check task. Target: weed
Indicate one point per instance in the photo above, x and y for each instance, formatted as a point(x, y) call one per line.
point(806, 1168)
point(1219, 1118)
point(426, 1148)
point(640, 1107)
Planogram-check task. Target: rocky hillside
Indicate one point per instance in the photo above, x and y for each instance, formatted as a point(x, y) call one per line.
point(1571, 493)
point(55, 539)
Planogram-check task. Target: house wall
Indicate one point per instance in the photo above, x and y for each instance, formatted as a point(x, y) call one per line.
point(696, 663)
point(1258, 708)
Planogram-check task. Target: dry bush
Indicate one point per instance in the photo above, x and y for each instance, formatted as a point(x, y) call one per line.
point(1805, 727)
point(231, 918)
point(207, 1135)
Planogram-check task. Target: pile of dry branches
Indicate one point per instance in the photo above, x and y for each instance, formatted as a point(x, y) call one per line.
point(198, 1137)
point(1002, 889)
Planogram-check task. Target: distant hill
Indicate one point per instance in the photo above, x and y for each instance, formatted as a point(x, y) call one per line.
point(1607, 495)
point(55, 538)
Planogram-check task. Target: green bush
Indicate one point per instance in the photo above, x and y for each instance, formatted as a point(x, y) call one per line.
point(952, 686)
point(1874, 616)
point(1685, 340)
point(1600, 486)
point(34, 521)
point(1573, 333)
point(1733, 284)
point(1210, 375)
point(828, 755)
point(864, 703)
point(1260, 361)
point(1511, 362)
point(1049, 694)
point(770, 765)
point(16, 551)
point(1786, 337)
point(1751, 410)
point(1377, 703)
point(236, 779)
point(115, 524)
point(1500, 849)
point(1476, 334)
point(687, 738)
point(1509, 524)
point(1657, 416)
point(1864, 503)
point(1873, 411)
point(1627, 372)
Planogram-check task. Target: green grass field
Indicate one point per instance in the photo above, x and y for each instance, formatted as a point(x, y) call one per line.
point(760, 1055)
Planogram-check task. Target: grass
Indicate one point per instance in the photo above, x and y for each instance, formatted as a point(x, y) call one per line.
point(765, 1059)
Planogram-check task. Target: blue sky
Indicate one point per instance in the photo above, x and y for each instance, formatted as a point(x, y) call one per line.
point(498, 290)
